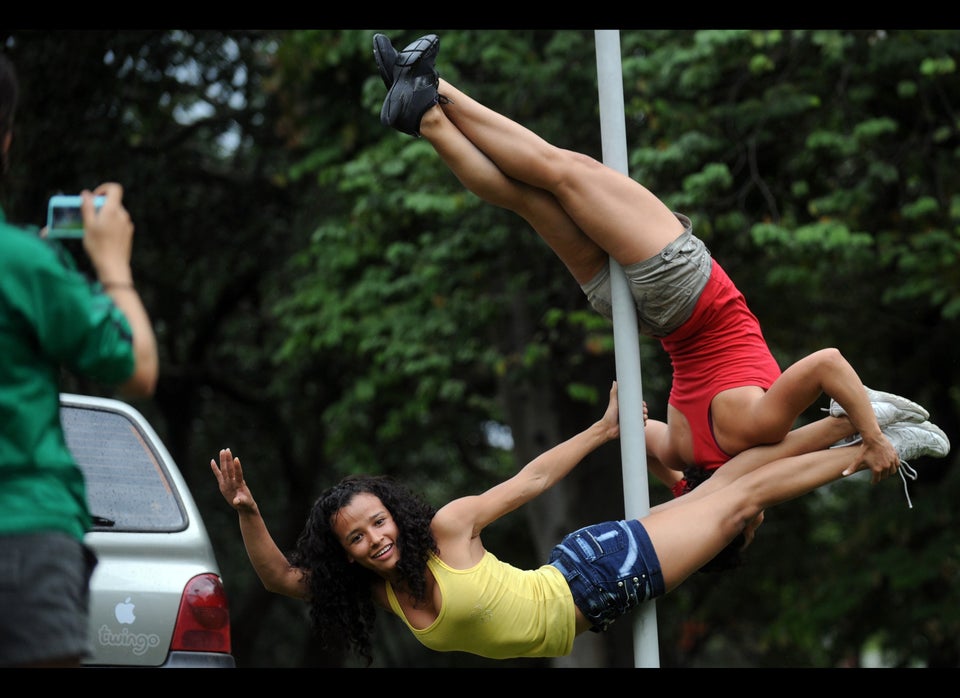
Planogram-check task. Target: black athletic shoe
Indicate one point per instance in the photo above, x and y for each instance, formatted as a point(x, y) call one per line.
point(386, 56)
point(414, 88)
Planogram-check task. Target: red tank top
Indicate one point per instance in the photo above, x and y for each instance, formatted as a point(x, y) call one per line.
point(720, 346)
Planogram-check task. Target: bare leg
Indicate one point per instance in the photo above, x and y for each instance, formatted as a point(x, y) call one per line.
point(618, 213)
point(815, 437)
point(806, 439)
point(690, 533)
point(582, 256)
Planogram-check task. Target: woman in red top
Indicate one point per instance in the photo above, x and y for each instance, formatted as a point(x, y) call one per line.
point(728, 391)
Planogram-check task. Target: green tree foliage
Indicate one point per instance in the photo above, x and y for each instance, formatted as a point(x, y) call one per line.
point(330, 300)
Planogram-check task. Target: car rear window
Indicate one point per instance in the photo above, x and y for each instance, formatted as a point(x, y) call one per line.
point(127, 485)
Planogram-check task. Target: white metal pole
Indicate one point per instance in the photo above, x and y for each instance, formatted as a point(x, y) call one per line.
point(636, 495)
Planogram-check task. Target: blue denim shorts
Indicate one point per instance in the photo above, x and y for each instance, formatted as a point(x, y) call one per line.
point(665, 288)
point(44, 597)
point(611, 568)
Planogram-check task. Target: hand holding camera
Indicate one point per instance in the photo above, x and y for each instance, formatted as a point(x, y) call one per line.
point(100, 219)
point(65, 216)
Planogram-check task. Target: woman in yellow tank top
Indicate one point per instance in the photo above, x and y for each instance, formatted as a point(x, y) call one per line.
point(370, 542)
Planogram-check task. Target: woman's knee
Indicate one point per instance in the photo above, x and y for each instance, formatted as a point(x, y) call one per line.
point(831, 358)
point(563, 168)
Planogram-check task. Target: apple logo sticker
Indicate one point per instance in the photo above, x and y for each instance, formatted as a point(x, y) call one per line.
point(124, 612)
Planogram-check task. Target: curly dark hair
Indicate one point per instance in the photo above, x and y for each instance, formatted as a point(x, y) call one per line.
point(342, 611)
point(731, 556)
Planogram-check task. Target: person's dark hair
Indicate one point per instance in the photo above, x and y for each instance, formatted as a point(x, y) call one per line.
point(9, 89)
point(342, 611)
point(731, 556)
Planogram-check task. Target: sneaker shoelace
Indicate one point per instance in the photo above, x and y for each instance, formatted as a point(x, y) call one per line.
point(907, 471)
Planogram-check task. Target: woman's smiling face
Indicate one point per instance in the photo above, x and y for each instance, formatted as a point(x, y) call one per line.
point(368, 533)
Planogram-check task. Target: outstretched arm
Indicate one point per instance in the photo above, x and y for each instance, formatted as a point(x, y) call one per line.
point(474, 513)
point(108, 241)
point(269, 562)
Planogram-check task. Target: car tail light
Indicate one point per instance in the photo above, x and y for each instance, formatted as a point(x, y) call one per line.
point(203, 621)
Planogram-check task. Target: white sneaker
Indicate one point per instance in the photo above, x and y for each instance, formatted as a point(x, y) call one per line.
point(914, 441)
point(888, 408)
point(911, 440)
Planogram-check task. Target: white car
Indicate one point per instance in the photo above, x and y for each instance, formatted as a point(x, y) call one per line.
point(156, 595)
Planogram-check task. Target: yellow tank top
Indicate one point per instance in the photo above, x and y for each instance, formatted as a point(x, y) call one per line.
point(496, 610)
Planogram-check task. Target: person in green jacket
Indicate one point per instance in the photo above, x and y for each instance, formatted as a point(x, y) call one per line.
point(53, 317)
